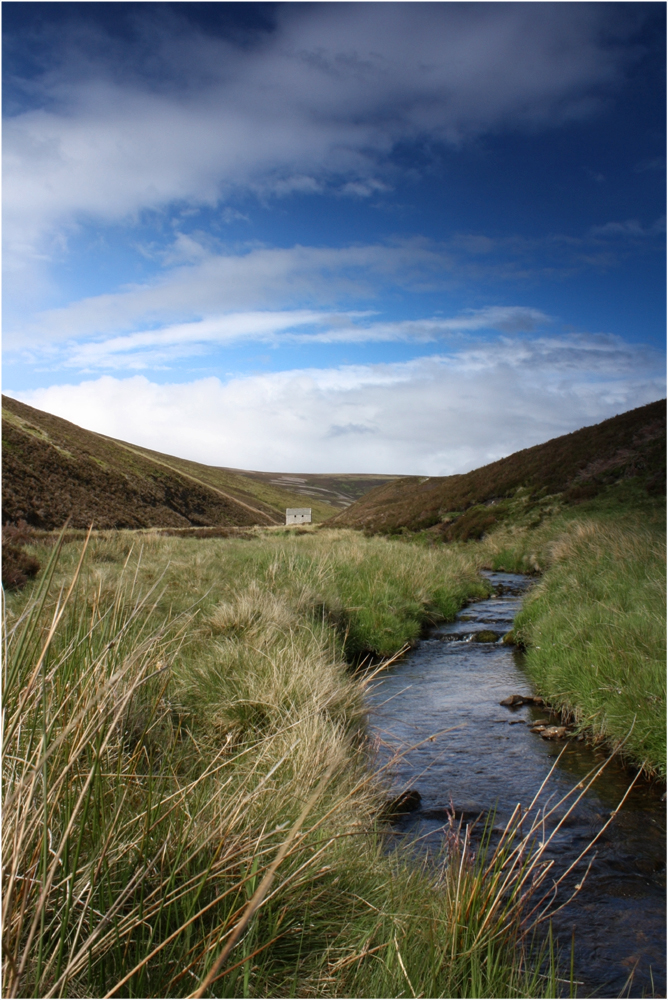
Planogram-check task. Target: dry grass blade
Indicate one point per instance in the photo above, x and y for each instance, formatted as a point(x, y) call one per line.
point(256, 900)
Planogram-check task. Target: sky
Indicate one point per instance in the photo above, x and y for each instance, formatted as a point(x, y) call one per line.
point(334, 237)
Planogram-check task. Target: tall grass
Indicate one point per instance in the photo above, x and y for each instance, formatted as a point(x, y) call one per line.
point(595, 631)
point(188, 803)
point(594, 623)
point(376, 593)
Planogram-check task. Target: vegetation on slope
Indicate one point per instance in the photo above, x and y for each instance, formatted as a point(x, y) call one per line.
point(264, 487)
point(54, 470)
point(183, 719)
point(339, 490)
point(17, 565)
point(534, 482)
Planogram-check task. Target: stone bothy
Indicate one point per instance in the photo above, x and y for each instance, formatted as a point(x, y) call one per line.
point(298, 515)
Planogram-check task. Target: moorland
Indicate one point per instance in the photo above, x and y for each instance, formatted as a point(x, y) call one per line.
point(54, 471)
point(191, 804)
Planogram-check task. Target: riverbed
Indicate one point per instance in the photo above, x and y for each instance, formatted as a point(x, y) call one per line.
point(483, 759)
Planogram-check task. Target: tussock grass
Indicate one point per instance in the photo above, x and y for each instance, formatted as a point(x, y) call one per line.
point(377, 593)
point(186, 772)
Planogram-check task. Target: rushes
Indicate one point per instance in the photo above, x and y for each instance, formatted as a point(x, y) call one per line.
point(124, 835)
point(78, 727)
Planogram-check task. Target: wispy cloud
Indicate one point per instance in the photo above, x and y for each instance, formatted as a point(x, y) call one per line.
point(651, 163)
point(630, 228)
point(166, 345)
point(200, 280)
point(435, 415)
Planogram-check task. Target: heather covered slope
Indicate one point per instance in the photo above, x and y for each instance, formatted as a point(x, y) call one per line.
point(54, 470)
point(629, 450)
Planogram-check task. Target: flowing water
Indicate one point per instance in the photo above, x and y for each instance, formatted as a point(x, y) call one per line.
point(489, 760)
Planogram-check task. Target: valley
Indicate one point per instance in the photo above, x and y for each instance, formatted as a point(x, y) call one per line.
point(211, 718)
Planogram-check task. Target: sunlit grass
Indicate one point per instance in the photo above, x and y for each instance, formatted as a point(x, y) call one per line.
point(186, 766)
point(595, 632)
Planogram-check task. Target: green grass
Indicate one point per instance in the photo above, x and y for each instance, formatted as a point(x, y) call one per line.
point(186, 765)
point(377, 594)
point(594, 628)
point(594, 623)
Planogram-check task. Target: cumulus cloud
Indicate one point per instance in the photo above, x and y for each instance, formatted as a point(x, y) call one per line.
point(319, 101)
point(431, 416)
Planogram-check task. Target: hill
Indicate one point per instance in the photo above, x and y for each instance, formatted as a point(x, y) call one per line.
point(627, 449)
point(53, 470)
point(322, 491)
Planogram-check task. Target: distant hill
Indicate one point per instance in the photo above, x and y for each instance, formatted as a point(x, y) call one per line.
point(54, 470)
point(320, 491)
point(575, 467)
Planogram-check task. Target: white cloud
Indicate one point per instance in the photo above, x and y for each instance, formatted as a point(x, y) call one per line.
point(432, 416)
point(364, 189)
point(320, 101)
point(201, 286)
point(160, 346)
point(207, 283)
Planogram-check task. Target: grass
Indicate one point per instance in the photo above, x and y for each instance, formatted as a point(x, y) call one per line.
point(594, 628)
point(188, 803)
point(376, 594)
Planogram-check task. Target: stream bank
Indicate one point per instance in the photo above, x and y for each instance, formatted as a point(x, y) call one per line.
point(489, 760)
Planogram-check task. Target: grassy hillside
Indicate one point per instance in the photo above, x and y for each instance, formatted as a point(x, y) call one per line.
point(255, 489)
point(627, 449)
point(53, 470)
point(322, 493)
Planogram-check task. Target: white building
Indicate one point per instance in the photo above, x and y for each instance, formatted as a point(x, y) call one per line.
point(298, 515)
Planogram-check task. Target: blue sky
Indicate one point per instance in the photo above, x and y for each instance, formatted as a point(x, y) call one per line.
point(334, 237)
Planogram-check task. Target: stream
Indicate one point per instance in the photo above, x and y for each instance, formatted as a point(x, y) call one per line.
point(489, 760)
